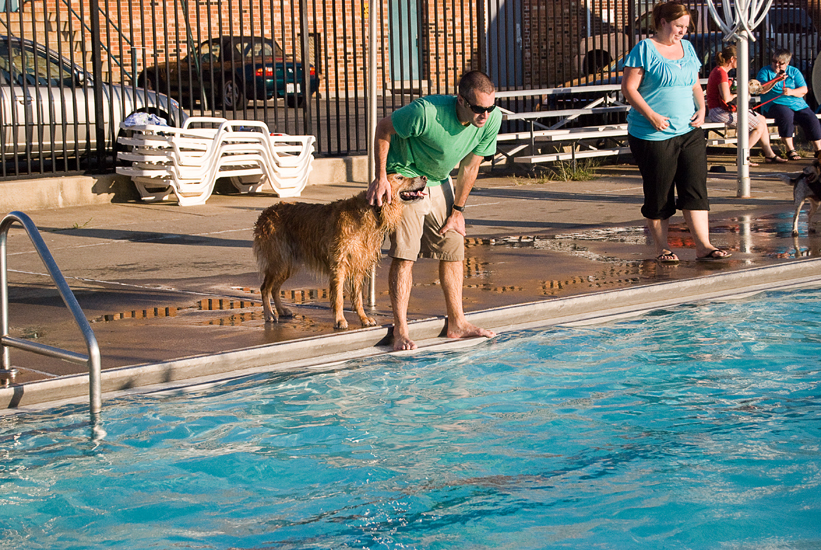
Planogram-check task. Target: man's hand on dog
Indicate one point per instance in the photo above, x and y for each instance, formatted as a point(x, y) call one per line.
point(379, 187)
point(455, 221)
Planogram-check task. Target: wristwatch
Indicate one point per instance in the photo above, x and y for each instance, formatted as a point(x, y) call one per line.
point(458, 208)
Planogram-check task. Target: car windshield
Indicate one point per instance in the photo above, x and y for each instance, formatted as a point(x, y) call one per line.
point(262, 47)
point(209, 51)
point(38, 66)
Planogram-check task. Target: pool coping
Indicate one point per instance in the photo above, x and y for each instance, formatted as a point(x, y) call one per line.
point(325, 350)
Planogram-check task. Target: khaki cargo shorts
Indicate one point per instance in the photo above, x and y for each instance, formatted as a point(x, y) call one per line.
point(418, 233)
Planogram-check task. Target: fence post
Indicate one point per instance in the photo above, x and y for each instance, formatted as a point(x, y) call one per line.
point(306, 66)
point(97, 71)
point(482, 26)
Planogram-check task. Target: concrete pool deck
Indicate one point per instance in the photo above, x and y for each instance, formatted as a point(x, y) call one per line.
point(172, 292)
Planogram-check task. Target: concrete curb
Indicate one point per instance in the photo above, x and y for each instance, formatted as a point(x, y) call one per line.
point(597, 307)
point(83, 190)
point(65, 191)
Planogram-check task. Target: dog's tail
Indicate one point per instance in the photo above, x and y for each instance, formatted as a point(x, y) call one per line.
point(790, 179)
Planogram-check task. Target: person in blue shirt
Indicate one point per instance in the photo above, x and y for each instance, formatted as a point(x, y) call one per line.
point(663, 129)
point(788, 106)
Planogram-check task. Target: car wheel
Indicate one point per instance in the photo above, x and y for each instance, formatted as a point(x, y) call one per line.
point(595, 61)
point(143, 81)
point(232, 95)
point(295, 101)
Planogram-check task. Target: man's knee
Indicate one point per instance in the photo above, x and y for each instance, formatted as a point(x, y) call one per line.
point(401, 263)
point(400, 268)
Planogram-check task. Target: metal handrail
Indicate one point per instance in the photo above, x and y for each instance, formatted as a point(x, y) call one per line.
point(93, 357)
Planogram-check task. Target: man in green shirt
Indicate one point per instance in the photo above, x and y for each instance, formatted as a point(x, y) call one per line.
point(430, 137)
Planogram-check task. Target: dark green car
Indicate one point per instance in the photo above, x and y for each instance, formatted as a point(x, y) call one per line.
point(225, 73)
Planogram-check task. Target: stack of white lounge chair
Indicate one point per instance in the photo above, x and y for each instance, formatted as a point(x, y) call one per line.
point(186, 162)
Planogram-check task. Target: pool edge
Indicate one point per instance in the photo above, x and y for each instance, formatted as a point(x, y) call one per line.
point(307, 352)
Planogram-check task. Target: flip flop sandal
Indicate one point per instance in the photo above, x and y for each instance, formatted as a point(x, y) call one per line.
point(793, 155)
point(667, 257)
point(775, 159)
point(715, 255)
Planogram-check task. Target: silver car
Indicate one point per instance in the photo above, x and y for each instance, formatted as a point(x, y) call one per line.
point(48, 105)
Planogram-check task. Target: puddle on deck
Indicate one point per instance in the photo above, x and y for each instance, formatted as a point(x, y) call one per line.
point(515, 269)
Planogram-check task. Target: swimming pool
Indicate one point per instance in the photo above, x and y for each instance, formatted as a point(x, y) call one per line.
point(696, 427)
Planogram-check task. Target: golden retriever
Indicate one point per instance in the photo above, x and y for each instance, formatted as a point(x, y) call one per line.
point(341, 239)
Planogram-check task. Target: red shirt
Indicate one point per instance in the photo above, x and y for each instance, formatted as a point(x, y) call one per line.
point(717, 76)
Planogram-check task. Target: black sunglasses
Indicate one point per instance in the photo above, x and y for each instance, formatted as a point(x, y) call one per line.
point(477, 109)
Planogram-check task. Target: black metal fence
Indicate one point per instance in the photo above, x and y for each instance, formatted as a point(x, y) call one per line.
point(74, 69)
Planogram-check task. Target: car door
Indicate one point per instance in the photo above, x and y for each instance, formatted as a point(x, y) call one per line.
point(20, 100)
point(63, 106)
point(209, 54)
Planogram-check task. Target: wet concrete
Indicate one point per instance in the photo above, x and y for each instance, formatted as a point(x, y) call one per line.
point(160, 282)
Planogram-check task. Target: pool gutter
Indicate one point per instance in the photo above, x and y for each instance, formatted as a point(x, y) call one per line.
point(321, 350)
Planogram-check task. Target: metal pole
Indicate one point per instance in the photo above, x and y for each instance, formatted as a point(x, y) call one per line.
point(484, 49)
point(93, 358)
point(743, 103)
point(372, 124)
point(7, 374)
point(308, 123)
point(739, 20)
point(97, 71)
point(371, 91)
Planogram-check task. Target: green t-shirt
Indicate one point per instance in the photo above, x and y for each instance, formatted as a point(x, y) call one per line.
point(430, 141)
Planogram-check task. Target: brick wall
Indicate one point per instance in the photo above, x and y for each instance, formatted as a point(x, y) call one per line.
point(144, 32)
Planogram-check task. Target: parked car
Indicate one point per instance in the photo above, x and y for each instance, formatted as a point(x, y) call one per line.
point(230, 71)
point(706, 45)
point(47, 103)
point(786, 25)
point(791, 27)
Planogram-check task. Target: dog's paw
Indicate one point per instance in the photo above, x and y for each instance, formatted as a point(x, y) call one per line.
point(341, 325)
point(368, 322)
point(286, 313)
point(271, 319)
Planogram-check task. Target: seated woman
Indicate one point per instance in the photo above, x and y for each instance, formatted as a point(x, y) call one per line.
point(788, 106)
point(720, 108)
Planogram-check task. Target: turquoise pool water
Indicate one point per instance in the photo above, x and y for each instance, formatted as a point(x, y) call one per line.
point(697, 428)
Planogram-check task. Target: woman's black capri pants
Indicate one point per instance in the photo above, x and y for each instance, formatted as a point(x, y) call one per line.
point(675, 165)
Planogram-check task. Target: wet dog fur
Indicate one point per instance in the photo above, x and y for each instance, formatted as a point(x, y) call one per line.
point(341, 239)
point(806, 188)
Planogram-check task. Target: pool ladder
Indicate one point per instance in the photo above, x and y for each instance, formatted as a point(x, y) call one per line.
point(7, 373)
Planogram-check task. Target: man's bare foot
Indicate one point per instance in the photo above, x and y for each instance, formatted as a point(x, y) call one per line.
point(469, 331)
point(401, 343)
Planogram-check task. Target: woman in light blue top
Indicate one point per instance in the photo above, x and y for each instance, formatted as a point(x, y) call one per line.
point(785, 102)
point(661, 84)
